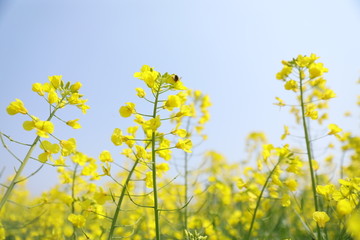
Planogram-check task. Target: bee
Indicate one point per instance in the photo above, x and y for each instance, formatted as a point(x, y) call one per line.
point(175, 77)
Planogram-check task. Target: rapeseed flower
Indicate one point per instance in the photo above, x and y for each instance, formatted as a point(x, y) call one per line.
point(16, 107)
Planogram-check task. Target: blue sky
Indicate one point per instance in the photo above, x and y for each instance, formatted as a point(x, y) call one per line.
point(230, 50)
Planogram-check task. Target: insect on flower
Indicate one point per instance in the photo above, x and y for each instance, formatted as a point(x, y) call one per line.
point(175, 77)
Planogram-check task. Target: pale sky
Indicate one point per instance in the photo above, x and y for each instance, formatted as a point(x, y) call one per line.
point(230, 50)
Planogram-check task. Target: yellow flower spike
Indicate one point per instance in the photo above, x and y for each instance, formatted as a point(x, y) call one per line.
point(117, 137)
point(334, 129)
point(140, 92)
point(75, 87)
point(74, 123)
point(38, 88)
point(172, 102)
point(127, 110)
point(77, 220)
point(344, 207)
point(68, 146)
point(321, 218)
point(16, 107)
point(184, 144)
point(291, 85)
point(105, 156)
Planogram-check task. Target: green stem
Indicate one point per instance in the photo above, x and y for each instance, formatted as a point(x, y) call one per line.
point(73, 197)
point(18, 173)
point(259, 198)
point(118, 205)
point(186, 180)
point(308, 149)
point(153, 155)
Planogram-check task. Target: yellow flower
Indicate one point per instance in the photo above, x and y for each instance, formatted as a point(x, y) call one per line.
point(321, 218)
point(180, 132)
point(291, 85)
point(44, 128)
point(148, 75)
point(161, 169)
point(149, 180)
point(55, 81)
point(172, 102)
point(334, 129)
point(291, 184)
point(15, 107)
point(284, 73)
point(117, 137)
point(49, 149)
point(185, 110)
point(127, 110)
point(310, 111)
point(165, 153)
point(38, 88)
point(140, 92)
point(105, 156)
point(68, 146)
point(286, 132)
point(352, 226)
point(184, 144)
point(75, 87)
point(344, 207)
point(316, 70)
point(285, 200)
point(152, 124)
point(77, 220)
point(53, 97)
point(326, 190)
point(74, 123)
point(328, 94)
